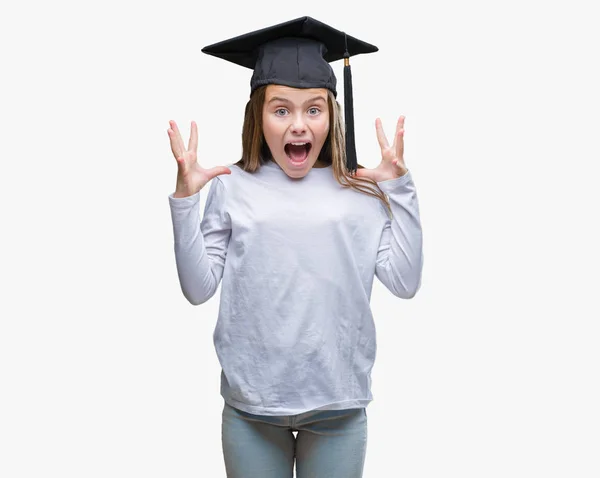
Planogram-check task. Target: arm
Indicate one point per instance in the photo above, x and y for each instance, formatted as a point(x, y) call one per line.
point(200, 246)
point(400, 254)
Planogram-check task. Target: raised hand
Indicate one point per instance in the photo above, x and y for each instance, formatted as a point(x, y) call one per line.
point(191, 177)
point(392, 157)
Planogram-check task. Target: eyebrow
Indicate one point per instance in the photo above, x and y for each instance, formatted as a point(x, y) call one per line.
point(285, 100)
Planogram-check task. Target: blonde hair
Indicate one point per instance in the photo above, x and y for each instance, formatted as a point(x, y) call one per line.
point(255, 151)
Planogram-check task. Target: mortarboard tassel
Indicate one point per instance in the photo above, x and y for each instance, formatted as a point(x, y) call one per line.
point(351, 161)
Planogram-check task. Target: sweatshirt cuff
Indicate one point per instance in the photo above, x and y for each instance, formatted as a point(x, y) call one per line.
point(185, 202)
point(391, 185)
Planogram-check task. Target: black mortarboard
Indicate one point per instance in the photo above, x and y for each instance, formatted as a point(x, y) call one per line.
point(297, 53)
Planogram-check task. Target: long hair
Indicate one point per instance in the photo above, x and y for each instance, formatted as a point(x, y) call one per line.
point(255, 151)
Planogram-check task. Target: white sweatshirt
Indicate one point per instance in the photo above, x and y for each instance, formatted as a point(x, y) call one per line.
point(297, 258)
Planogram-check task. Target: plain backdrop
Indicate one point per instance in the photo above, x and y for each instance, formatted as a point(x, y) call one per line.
point(492, 370)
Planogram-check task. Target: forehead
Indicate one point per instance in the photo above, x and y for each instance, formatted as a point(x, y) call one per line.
point(294, 94)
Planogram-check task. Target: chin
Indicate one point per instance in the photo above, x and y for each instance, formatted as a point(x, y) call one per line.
point(295, 169)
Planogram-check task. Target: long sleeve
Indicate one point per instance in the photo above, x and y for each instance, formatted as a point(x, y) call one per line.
point(400, 254)
point(200, 245)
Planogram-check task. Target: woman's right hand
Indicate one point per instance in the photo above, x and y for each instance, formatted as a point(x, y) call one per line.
point(191, 177)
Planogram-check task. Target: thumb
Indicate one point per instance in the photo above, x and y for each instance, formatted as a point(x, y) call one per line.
point(217, 171)
point(363, 173)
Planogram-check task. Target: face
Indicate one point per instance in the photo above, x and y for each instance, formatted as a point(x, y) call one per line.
point(295, 126)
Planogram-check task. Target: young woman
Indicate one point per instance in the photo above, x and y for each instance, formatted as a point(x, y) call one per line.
point(295, 237)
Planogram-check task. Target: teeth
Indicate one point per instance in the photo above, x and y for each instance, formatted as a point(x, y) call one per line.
point(299, 144)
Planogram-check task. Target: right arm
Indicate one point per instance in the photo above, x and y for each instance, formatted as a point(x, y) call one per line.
point(200, 246)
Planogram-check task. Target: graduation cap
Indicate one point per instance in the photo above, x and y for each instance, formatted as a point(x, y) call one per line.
point(297, 53)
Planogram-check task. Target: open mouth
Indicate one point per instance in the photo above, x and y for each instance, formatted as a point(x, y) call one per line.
point(297, 152)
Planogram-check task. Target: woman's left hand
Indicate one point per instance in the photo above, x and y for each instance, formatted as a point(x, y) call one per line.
point(392, 157)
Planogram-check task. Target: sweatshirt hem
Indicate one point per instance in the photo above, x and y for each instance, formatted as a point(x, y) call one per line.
point(282, 411)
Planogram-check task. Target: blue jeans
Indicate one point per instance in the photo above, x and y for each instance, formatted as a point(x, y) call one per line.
point(329, 444)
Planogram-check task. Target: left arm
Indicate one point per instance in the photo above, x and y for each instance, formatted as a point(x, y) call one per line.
point(400, 254)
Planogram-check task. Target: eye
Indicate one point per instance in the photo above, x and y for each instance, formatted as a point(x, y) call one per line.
point(314, 111)
point(280, 112)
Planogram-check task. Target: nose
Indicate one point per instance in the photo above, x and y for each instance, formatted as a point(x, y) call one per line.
point(298, 125)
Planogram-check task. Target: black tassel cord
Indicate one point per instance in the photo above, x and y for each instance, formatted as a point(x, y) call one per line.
point(351, 161)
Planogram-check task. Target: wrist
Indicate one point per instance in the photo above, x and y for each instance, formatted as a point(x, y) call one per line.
point(397, 174)
point(182, 192)
point(402, 172)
